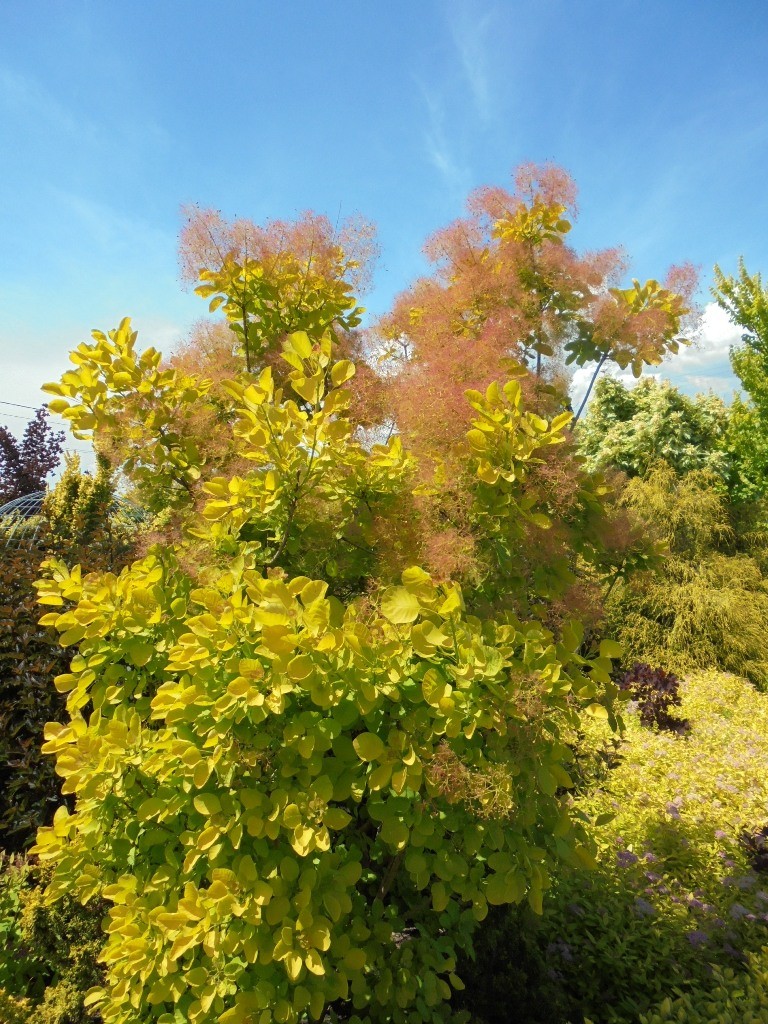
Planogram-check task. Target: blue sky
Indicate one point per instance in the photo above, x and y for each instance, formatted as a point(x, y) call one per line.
point(113, 115)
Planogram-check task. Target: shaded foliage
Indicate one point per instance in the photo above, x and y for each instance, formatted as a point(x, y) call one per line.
point(30, 657)
point(50, 954)
point(736, 997)
point(509, 976)
point(756, 844)
point(78, 524)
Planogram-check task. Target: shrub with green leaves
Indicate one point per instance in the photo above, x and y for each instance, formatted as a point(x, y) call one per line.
point(12, 878)
point(272, 787)
point(291, 802)
point(632, 429)
point(675, 890)
point(736, 997)
point(82, 517)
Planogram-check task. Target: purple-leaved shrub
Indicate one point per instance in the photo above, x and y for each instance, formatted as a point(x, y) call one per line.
point(656, 691)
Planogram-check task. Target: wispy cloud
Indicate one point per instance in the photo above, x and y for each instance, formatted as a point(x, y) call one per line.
point(470, 35)
point(108, 229)
point(38, 109)
point(24, 96)
point(440, 153)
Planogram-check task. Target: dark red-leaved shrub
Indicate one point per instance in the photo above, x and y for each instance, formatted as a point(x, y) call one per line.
point(656, 692)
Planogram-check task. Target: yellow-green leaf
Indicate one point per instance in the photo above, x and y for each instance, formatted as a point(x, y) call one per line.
point(597, 711)
point(342, 372)
point(368, 746)
point(399, 605)
point(336, 817)
point(610, 649)
point(433, 686)
point(207, 803)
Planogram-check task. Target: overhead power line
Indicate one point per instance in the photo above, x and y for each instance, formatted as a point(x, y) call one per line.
point(18, 405)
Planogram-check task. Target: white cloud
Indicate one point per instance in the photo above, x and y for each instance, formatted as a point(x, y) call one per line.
point(705, 365)
point(579, 384)
point(721, 385)
point(716, 337)
point(583, 375)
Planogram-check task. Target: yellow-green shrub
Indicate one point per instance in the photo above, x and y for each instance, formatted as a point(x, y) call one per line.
point(707, 606)
point(689, 616)
point(293, 801)
point(12, 1010)
point(303, 765)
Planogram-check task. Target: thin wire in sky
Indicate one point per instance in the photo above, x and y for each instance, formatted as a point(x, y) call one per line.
point(17, 405)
